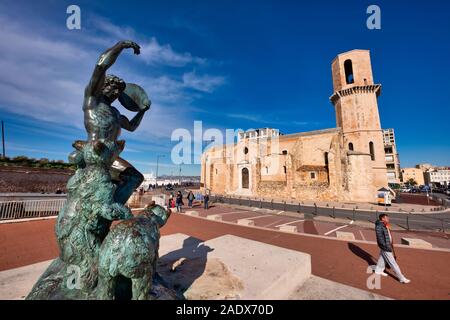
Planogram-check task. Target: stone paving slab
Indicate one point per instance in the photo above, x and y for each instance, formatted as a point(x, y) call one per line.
point(416, 243)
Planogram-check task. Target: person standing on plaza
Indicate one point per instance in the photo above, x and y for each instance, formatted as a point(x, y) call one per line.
point(387, 252)
point(206, 201)
point(190, 198)
point(170, 200)
point(179, 201)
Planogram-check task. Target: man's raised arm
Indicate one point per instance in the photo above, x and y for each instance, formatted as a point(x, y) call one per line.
point(133, 124)
point(105, 61)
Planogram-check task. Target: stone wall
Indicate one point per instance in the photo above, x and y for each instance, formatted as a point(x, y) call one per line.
point(24, 179)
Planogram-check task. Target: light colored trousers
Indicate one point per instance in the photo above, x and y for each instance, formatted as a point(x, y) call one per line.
point(388, 257)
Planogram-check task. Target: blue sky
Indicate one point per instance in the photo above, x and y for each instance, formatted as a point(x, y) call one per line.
point(230, 64)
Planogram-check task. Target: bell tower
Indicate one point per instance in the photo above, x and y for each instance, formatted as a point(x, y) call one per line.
point(356, 106)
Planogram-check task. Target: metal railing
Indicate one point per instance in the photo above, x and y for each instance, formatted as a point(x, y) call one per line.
point(408, 220)
point(23, 209)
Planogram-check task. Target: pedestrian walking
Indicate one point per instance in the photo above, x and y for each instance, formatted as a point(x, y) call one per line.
point(179, 201)
point(190, 198)
point(387, 251)
point(206, 201)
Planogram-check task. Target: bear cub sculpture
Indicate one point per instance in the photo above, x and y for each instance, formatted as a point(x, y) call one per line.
point(130, 250)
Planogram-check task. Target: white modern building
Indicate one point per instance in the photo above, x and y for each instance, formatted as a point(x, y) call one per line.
point(439, 177)
point(391, 156)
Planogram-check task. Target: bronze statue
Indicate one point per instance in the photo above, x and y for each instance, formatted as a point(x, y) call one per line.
point(104, 122)
point(131, 250)
point(97, 194)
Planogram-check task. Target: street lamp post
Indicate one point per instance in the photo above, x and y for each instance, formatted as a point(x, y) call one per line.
point(157, 166)
point(3, 140)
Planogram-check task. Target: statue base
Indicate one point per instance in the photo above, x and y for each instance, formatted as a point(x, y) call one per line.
point(52, 285)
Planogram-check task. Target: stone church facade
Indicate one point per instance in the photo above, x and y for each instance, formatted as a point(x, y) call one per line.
point(346, 163)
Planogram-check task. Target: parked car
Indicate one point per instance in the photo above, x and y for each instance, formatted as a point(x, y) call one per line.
point(405, 190)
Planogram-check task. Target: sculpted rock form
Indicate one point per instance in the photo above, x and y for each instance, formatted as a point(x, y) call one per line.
point(96, 196)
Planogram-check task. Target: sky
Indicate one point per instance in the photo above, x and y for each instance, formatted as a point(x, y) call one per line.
point(229, 64)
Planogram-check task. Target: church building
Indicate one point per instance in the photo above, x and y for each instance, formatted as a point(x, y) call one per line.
point(346, 163)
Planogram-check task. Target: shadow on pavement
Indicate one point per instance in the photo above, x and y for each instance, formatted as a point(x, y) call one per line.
point(195, 255)
point(362, 254)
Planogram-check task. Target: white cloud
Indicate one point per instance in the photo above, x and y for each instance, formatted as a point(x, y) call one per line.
point(152, 52)
point(204, 83)
point(43, 76)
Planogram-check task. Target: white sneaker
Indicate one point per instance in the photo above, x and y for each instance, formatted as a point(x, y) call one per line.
point(405, 281)
point(382, 273)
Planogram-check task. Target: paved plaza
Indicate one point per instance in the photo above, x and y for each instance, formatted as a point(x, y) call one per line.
point(346, 262)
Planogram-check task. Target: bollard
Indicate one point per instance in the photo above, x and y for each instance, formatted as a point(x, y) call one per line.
point(284, 205)
point(260, 203)
point(353, 214)
point(315, 208)
point(240, 201)
point(249, 203)
point(334, 215)
point(271, 204)
point(407, 222)
point(443, 227)
point(299, 208)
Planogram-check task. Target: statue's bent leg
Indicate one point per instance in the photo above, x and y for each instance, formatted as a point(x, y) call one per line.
point(127, 178)
point(142, 287)
point(106, 287)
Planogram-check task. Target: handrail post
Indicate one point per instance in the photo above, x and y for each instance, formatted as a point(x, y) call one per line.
point(407, 221)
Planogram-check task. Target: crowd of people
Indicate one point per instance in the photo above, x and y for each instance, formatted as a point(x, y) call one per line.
point(176, 201)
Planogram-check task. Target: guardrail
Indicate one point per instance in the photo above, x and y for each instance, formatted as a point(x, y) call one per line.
point(23, 209)
point(442, 201)
point(407, 220)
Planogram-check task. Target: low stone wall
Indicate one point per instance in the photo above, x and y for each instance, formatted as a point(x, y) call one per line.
point(274, 189)
point(300, 191)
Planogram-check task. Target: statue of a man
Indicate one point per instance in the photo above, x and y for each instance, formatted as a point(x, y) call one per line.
point(103, 122)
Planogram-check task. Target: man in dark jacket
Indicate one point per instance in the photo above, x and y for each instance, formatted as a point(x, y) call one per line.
point(387, 254)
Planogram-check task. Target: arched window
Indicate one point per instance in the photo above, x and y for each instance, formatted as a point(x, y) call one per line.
point(245, 178)
point(245, 150)
point(284, 152)
point(372, 151)
point(284, 169)
point(348, 67)
point(267, 170)
point(350, 146)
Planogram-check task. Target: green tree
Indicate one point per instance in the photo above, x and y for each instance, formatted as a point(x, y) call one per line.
point(411, 182)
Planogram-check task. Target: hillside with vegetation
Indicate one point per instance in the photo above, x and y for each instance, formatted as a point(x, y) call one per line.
point(23, 161)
